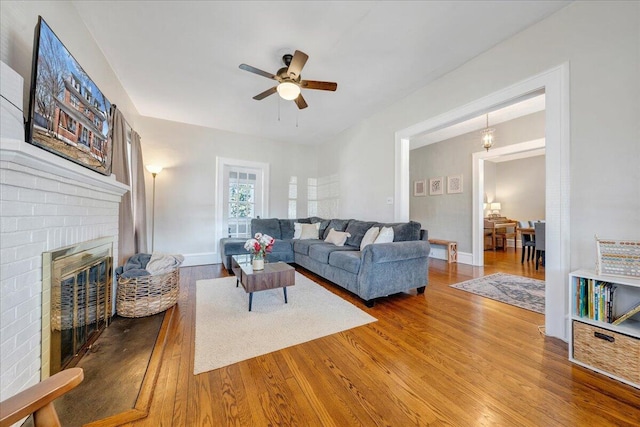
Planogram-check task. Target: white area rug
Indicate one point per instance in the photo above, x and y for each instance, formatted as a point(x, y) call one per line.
point(226, 332)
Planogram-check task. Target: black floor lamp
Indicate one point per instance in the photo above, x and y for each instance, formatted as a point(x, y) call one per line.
point(155, 170)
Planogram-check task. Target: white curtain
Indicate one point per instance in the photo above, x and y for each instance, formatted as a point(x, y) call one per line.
point(139, 195)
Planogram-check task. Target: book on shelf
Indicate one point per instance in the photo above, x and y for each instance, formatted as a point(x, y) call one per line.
point(595, 299)
point(627, 315)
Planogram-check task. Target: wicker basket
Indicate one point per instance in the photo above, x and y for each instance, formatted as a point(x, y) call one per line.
point(609, 351)
point(147, 295)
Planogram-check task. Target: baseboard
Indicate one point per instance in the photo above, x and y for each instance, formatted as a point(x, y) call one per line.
point(201, 259)
point(465, 258)
point(441, 253)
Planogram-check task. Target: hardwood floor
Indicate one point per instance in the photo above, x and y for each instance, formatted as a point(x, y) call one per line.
point(447, 357)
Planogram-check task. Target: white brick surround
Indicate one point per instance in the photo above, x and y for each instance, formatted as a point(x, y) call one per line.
point(46, 202)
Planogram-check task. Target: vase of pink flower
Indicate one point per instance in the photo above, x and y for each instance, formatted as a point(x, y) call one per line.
point(259, 247)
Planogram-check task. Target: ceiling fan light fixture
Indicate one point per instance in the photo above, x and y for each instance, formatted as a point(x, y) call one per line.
point(288, 90)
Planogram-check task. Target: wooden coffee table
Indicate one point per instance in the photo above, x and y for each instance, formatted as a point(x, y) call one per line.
point(274, 275)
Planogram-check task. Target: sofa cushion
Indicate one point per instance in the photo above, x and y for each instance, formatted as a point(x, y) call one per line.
point(338, 238)
point(302, 246)
point(282, 246)
point(369, 237)
point(404, 231)
point(305, 231)
point(385, 236)
point(357, 229)
point(321, 252)
point(270, 226)
point(346, 260)
point(323, 228)
point(336, 224)
point(287, 228)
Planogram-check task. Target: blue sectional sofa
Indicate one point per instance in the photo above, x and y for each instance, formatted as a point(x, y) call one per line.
point(378, 270)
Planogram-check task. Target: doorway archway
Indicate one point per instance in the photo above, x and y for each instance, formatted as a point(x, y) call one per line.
point(555, 84)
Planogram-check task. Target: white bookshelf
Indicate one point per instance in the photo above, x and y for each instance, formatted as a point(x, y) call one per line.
point(612, 350)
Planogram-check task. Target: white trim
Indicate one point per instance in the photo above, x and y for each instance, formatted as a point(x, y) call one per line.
point(555, 83)
point(221, 162)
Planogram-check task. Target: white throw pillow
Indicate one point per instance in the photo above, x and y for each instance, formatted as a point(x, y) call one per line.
point(309, 231)
point(385, 236)
point(337, 237)
point(369, 237)
point(297, 230)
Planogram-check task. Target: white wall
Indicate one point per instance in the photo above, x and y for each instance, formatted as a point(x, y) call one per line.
point(185, 219)
point(449, 216)
point(601, 42)
point(520, 188)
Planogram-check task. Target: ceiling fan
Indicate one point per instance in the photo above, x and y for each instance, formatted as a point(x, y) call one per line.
point(289, 82)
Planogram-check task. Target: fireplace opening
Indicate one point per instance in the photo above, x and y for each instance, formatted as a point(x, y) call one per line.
point(78, 285)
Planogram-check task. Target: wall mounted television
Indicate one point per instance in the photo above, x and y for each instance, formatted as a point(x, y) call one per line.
point(68, 114)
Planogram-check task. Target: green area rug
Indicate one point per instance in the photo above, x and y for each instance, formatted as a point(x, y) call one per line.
point(520, 291)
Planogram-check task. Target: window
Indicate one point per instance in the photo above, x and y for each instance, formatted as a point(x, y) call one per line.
point(84, 136)
point(241, 204)
point(312, 197)
point(74, 101)
point(75, 84)
point(242, 194)
point(292, 211)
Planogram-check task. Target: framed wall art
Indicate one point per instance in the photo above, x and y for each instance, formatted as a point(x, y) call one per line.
point(454, 184)
point(420, 187)
point(435, 186)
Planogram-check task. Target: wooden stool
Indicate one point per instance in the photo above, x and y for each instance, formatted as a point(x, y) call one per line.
point(452, 248)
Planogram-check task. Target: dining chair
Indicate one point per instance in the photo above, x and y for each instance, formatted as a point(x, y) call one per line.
point(507, 230)
point(540, 241)
point(528, 240)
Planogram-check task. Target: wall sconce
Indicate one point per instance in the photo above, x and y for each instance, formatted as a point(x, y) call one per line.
point(155, 170)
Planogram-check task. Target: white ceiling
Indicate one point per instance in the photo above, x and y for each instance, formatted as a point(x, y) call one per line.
point(178, 60)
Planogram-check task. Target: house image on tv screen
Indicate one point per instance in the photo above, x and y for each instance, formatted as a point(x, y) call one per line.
point(70, 114)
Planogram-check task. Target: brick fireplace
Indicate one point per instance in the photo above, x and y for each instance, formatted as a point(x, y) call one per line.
point(46, 203)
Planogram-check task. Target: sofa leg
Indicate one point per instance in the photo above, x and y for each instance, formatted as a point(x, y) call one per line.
point(370, 303)
point(421, 290)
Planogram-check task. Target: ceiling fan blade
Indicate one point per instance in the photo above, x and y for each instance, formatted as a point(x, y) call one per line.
point(312, 84)
point(266, 93)
point(254, 70)
point(300, 102)
point(297, 62)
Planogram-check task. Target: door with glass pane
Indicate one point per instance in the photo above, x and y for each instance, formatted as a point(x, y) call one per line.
point(243, 199)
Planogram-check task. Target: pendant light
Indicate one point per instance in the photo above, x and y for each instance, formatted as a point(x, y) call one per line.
point(487, 136)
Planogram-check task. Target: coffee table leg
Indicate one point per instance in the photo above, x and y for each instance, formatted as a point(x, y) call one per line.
point(250, 299)
point(285, 294)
